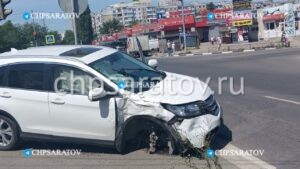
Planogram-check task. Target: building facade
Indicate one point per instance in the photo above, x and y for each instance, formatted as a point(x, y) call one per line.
point(238, 21)
point(168, 3)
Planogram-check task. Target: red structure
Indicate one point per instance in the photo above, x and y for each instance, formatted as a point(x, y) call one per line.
point(178, 14)
point(221, 16)
point(279, 16)
point(176, 23)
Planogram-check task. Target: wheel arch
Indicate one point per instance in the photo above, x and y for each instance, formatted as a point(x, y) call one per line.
point(6, 114)
point(137, 122)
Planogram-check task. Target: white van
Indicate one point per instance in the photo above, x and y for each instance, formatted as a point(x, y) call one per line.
point(50, 94)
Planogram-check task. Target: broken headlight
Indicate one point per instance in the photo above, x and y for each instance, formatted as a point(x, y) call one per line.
point(209, 106)
point(186, 110)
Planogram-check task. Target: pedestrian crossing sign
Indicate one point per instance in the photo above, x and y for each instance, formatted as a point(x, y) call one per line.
point(50, 39)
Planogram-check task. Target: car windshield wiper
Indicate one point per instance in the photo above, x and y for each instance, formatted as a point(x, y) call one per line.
point(123, 70)
point(148, 70)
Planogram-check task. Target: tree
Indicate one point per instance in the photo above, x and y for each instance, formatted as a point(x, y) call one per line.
point(84, 27)
point(23, 36)
point(110, 27)
point(210, 6)
point(9, 37)
point(133, 23)
point(28, 37)
point(68, 38)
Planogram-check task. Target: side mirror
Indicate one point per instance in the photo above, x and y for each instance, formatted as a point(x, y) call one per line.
point(97, 94)
point(153, 63)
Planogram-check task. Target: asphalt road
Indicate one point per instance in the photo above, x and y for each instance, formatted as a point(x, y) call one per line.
point(266, 117)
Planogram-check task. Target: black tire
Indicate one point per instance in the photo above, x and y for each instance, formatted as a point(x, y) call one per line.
point(164, 141)
point(14, 142)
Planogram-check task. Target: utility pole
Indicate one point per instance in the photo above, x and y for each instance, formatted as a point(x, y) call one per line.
point(74, 22)
point(44, 23)
point(183, 25)
point(4, 12)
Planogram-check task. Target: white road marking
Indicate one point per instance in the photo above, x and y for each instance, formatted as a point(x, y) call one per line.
point(249, 50)
point(270, 48)
point(191, 54)
point(206, 53)
point(282, 100)
point(227, 52)
point(245, 162)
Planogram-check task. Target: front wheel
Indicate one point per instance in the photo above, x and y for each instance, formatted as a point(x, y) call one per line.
point(155, 140)
point(9, 134)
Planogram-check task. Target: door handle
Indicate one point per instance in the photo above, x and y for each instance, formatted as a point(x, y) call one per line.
point(58, 101)
point(5, 95)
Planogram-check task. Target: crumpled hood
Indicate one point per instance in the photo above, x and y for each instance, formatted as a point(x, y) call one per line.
point(176, 89)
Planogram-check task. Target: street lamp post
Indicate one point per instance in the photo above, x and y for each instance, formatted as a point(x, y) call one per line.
point(74, 23)
point(183, 25)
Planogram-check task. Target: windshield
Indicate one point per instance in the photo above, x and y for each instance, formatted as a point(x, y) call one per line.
point(127, 72)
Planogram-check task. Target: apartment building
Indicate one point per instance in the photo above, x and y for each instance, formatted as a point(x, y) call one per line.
point(144, 14)
point(126, 13)
point(163, 3)
point(164, 11)
point(98, 18)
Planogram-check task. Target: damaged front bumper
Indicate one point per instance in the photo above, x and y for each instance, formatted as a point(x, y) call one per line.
point(193, 133)
point(185, 133)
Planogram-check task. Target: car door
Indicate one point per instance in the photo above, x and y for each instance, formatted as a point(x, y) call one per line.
point(72, 113)
point(24, 95)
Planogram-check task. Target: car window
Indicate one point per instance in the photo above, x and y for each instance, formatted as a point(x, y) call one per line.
point(120, 66)
point(72, 80)
point(80, 52)
point(2, 73)
point(26, 76)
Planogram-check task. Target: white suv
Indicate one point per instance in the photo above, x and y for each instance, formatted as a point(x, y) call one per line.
point(50, 94)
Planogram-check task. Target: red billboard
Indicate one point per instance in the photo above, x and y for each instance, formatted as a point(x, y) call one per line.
point(176, 14)
point(175, 23)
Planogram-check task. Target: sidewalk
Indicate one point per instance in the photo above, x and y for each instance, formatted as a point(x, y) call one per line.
point(208, 49)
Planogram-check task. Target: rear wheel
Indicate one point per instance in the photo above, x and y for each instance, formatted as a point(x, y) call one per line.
point(9, 134)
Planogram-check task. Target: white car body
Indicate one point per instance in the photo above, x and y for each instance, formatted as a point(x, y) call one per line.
point(75, 116)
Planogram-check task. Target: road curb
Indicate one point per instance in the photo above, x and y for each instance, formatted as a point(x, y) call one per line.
point(209, 53)
point(249, 50)
point(270, 48)
point(227, 52)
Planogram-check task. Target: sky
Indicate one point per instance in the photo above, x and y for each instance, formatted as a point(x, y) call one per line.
point(21, 6)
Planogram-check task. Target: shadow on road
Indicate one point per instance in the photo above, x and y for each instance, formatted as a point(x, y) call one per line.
point(223, 137)
point(60, 146)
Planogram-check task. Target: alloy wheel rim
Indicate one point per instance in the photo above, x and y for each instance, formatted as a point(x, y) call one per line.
point(6, 133)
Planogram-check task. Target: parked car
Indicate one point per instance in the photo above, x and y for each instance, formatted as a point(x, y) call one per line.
point(47, 94)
